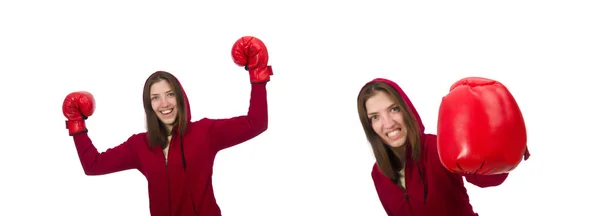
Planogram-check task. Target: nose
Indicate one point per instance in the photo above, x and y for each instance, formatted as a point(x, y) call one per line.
point(387, 121)
point(163, 101)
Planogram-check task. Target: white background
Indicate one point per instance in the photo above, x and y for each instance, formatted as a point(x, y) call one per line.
point(314, 159)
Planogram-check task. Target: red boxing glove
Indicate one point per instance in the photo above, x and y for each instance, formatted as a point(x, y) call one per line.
point(77, 107)
point(480, 128)
point(251, 53)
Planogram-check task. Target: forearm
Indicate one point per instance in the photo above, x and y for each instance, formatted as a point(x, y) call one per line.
point(258, 115)
point(486, 180)
point(87, 153)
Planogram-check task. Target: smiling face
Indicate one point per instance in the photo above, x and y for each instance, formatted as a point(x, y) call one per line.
point(164, 102)
point(386, 119)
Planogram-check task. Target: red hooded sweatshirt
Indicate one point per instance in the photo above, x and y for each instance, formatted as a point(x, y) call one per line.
point(183, 186)
point(431, 190)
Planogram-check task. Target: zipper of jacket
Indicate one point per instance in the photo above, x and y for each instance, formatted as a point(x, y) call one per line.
point(168, 185)
point(407, 201)
point(168, 176)
point(405, 191)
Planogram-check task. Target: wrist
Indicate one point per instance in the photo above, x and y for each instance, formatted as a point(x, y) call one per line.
point(261, 75)
point(76, 127)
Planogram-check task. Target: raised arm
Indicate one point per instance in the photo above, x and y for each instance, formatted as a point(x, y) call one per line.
point(77, 107)
point(225, 133)
point(251, 53)
point(119, 158)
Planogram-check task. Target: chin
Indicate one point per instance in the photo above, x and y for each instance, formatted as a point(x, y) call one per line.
point(168, 121)
point(397, 143)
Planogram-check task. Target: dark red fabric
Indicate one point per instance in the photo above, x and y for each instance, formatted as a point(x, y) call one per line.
point(173, 191)
point(431, 190)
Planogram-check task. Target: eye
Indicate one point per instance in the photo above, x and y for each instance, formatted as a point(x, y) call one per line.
point(153, 98)
point(373, 118)
point(171, 94)
point(395, 109)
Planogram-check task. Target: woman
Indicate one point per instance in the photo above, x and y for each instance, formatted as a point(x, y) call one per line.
point(176, 154)
point(408, 175)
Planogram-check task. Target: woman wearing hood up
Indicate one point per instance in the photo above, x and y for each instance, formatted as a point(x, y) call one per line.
point(175, 154)
point(409, 177)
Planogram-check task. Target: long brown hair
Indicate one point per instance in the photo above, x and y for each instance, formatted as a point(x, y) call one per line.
point(157, 131)
point(387, 161)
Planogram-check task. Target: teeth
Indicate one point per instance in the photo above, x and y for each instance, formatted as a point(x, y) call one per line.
point(393, 133)
point(166, 111)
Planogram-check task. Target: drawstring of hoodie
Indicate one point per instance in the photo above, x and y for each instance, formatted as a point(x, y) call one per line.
point(184, 169)
point(182, 155)
point(424, 180)
point(183, 162)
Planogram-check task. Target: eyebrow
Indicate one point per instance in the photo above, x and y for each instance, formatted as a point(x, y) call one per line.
point(390, 106)
point(165, 92)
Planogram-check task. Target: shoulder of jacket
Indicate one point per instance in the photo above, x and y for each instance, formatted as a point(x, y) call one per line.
point(203, 122)
point(375, 171)
point(138, 138)
point(138, 135)
point(430, 143)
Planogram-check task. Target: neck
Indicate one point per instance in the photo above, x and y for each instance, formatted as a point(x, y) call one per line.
point(400, 153)
point(169, 128)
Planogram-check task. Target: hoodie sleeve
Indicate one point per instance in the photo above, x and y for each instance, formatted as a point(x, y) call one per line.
point(225, 133)
point(478, 180)
point(119, 158)
point(484, 181)
point(491, 180)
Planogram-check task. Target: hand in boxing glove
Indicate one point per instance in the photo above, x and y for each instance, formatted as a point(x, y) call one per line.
point(480, 128)
point(251, 53)
point(77, 107)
